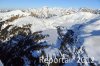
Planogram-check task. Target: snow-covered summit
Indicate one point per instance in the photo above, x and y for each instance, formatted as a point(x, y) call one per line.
point(46, 12)
point(84, 22)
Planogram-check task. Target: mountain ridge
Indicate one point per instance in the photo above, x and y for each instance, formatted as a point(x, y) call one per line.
point(71, 32)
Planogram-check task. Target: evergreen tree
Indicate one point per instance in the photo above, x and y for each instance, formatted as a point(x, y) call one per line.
point(20, 43)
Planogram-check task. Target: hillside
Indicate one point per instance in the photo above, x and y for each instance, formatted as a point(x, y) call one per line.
point(73, 32)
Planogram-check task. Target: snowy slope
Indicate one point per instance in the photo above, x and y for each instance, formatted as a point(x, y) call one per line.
point(86, 24)
point(7, 15)
point(1, 64)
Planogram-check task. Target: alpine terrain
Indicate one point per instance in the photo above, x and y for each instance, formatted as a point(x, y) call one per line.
point(50, 37)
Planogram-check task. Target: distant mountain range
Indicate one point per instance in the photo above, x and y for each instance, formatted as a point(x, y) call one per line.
point(72, 32)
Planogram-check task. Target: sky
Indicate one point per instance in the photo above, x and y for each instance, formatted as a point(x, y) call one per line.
point(49, 3)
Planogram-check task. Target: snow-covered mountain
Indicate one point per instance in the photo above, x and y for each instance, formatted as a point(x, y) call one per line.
point(83, 22)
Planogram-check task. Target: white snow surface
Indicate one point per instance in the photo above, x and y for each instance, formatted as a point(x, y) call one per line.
point(1, 63)
point(89, 32)
point(7, 15)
